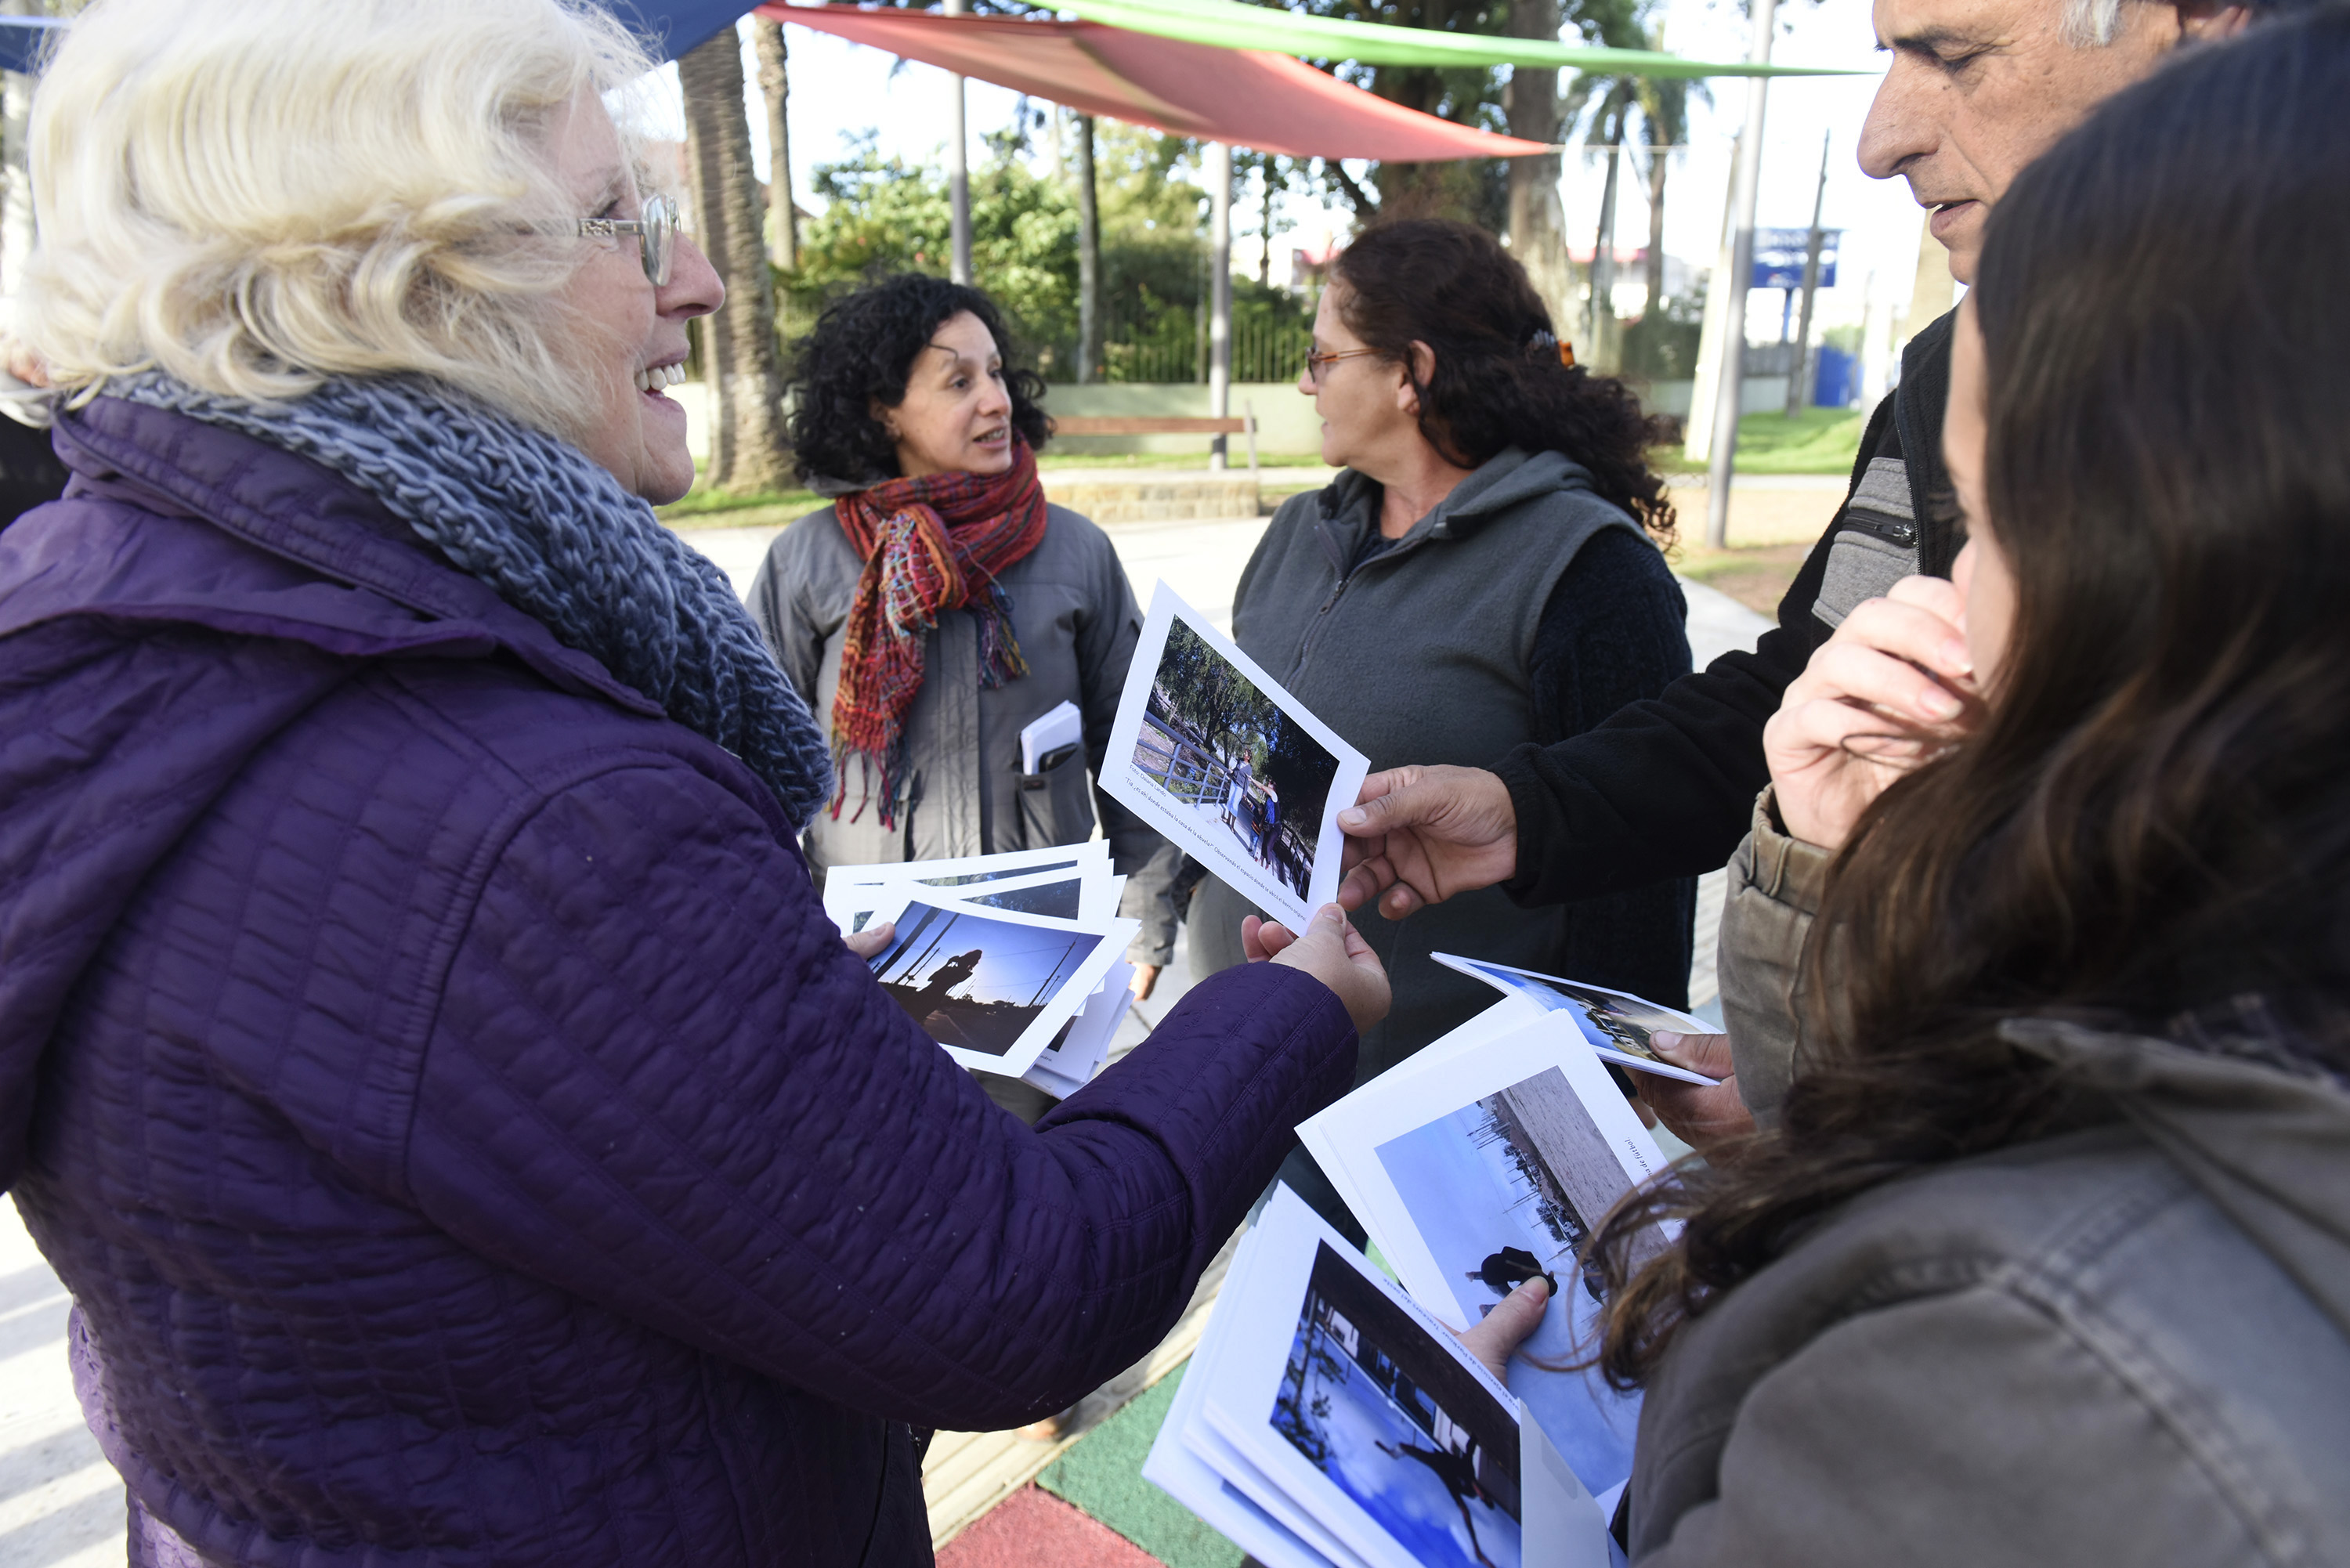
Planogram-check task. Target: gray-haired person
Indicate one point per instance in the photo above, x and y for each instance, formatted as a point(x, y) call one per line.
point(1977, 90)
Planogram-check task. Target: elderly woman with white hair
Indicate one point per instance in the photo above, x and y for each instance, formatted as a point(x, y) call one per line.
point(421, 1051)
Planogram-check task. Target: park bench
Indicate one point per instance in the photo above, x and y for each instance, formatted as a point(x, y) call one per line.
point(1147, 424)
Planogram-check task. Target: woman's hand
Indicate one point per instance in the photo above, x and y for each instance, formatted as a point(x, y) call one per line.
point(1702, 1116)
point(1421, 835)
point(1332, 952)
point(1894, 685)
point(1507, 1326)
point(868, 942)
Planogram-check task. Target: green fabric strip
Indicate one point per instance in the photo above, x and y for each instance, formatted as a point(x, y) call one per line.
point(1228, 24)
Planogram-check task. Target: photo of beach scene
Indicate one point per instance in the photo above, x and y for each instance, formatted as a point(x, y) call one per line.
point(975, 981)
point(1502, 1189)
point(1398, 1424)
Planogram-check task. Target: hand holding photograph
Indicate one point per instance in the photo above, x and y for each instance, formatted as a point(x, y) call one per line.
point(1614, 1023)
point(1495, 1172)
point(1324, 1420)
point(1209, 749)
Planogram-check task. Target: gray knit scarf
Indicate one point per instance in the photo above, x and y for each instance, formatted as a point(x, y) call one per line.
point(538, 521)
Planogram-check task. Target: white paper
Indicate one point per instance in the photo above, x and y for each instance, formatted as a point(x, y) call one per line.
point(991, 986)
point(1184, 780)
point(1614, 1024)
point(854, 896)
point(1361, 1409)
point(1062, 1070)
point(1496, 1169)
point(1062, 725)
point(1198, 1469)
point(1564, 1527)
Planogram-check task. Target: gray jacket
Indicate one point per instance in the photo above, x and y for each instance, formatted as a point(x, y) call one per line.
point(1421, 654)
point(2128, 1344)
point(1075, 615)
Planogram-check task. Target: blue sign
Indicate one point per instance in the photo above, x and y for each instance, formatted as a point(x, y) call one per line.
point(1779, 257)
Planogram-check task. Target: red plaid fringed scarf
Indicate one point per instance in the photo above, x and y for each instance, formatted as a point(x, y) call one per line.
point(930, 544)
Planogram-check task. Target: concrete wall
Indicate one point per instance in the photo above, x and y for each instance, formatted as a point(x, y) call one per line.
point(1757, 395)
point(1285, 422)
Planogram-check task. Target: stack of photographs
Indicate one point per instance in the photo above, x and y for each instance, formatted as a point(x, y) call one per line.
point(1014, 963)
point(1209, 749)
point(1489, 1158)
point(1326, 1419)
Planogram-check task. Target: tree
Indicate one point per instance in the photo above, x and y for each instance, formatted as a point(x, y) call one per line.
point(775, 86)
point(741, 361)
point(1090, 338)
point(1537, 227)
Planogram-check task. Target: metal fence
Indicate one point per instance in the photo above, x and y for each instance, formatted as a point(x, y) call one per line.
point(1261, 351)
point(1182, 768)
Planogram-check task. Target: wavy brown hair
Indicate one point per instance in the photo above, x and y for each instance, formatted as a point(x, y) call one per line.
point(1497, 381)
point(2154, 815)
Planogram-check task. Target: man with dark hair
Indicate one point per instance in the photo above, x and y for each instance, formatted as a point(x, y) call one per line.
point(1666, 788)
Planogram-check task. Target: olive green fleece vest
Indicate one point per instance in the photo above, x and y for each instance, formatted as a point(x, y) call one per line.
point(1422, 654)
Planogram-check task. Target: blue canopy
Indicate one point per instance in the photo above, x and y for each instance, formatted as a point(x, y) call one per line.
point(673, 27)
point(21, 39)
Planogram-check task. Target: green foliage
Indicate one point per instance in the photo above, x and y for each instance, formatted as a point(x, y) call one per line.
point(883, 216)
point(1662, 344)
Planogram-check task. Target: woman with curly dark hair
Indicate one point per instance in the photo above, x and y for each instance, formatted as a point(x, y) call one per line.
point(2043, 1253)
point(1485, 572)
point(940, 604)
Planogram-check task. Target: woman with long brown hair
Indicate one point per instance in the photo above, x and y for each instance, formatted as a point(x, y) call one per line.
point(2045, 1256)
point(1484, 572)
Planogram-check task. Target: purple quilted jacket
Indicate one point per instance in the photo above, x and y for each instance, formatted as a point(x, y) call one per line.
point(466, 1138)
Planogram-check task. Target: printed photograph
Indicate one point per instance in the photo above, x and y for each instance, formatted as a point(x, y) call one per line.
point(973, 981)
point(1226, 756)
point(1606, 1019)
point(1056, 900)
point(1398, 1425)
point(1502, 1190)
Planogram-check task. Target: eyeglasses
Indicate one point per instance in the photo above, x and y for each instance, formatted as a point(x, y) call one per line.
point(656, 234)
point(1314, 362)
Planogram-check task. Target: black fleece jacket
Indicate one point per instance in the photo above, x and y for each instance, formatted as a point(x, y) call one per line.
point(1664, 789)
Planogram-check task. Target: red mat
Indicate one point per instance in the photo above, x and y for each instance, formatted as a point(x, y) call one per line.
point(1032, 1528)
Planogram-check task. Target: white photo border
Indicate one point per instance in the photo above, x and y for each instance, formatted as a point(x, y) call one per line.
point(1123, 782)
point(1083, 981)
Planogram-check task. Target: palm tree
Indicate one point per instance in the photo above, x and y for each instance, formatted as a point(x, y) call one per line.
point(775, 87)
point(741, 362)
point(1537, 226)
point(1664, 126)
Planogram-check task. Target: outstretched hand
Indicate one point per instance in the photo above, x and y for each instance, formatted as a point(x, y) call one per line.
point(1892, 687)
point(1332, 952)
point(1507, 1326)
point(1417, 837)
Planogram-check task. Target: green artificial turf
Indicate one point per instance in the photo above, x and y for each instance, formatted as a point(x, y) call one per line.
point(1102, 1475)
point(1817, 440)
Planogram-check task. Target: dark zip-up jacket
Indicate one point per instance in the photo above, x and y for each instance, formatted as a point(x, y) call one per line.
point(1665, 788)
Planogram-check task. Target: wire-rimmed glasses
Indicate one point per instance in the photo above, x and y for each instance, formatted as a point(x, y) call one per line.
point(1315, 361)
point(656, 234)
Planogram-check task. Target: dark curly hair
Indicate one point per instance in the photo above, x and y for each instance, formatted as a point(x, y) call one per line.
point(1497, 380)
point(863, 349)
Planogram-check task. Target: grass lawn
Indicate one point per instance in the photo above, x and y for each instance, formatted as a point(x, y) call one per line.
point(1817, 440)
